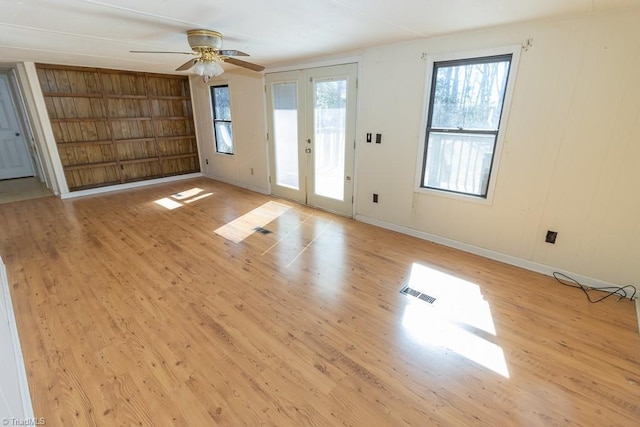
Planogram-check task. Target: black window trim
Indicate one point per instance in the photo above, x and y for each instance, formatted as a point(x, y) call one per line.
point(429, 128)
point(216, 120)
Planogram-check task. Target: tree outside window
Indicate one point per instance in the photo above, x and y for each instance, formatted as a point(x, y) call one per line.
point(222, 119)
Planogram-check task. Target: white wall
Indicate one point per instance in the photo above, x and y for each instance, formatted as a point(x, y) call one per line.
point(246, 90)
point(569, 162)
point(15, 400)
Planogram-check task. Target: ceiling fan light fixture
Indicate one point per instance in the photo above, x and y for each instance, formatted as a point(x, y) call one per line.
point(208, 68)
point(206, 46)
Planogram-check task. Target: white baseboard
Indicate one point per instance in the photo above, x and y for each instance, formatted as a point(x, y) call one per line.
point(26, 411)
point(487, 253)
point(239, 184)
point(507, 259)
point(130, 185)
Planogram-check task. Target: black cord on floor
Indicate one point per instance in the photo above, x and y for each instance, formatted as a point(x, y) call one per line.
point(563, 279)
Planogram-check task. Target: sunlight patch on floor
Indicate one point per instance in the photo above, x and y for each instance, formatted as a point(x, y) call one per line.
point(244, 226)
point(188, 196)
point(459, 319)
point(200, 197)
point(168, 203)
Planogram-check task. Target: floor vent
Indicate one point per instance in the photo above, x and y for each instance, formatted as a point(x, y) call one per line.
point(417, 294)
point(262, 230)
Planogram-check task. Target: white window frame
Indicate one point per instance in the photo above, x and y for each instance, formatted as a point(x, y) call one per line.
point(514, 50)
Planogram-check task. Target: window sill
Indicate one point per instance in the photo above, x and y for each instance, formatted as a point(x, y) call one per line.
point(455, 196)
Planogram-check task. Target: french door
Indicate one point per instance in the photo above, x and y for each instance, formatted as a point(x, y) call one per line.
point(311, 117)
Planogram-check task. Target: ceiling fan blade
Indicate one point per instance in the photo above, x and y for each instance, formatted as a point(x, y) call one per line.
point(232, 52)
point(244, 64)
point(156, 51)
point(190, 63)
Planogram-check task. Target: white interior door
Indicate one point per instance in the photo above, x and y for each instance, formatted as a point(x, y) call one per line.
point(311, 115)
point(15, 160)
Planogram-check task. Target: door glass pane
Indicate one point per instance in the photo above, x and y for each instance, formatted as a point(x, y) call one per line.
point(330, 112)
point(285, 134)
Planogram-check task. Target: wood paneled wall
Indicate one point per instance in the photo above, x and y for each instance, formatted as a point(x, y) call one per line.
point(113, 127)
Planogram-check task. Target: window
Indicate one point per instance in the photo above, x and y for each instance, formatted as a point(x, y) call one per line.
point(465, 112)
point(222, 119)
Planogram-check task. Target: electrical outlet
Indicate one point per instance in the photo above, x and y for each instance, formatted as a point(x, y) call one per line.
point(251, 171)
point(378, 138)
point(369, 137)
point(375, 198)
point(551, 237)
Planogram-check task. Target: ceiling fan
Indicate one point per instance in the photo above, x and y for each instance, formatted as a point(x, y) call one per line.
point(206, 45)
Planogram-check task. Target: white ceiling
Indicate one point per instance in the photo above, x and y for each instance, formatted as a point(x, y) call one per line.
point(101, 33)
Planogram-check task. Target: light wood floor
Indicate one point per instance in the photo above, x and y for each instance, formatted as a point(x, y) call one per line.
point(131, 313)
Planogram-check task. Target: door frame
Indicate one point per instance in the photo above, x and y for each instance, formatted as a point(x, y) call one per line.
point(36, 119)
point(304, 91)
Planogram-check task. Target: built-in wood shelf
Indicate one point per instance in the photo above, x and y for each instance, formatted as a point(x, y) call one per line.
point(113, 127)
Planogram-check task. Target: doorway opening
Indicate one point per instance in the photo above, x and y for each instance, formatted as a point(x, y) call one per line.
point(21, 173)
